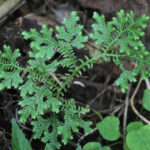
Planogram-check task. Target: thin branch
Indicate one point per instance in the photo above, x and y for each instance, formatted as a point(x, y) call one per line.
point(85, 135)
point(116, 108)
point(21, 125)
point(99, 94)
point(132, 104)
point(126, 114)
point(55, 78)
point(147, 83)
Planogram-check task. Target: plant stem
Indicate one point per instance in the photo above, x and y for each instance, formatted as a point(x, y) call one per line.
point(132, 104)
point(126, 114)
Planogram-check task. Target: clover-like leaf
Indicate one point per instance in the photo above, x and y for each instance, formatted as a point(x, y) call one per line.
point(139, 139)
point(94, 146)
point(134, 126)
point(109, 128)
point(125, 146)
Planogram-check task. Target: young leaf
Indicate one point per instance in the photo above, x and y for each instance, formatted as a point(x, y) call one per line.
point(94, 146)
point(134, 126)
point(48, 147)
point(124, 78)
point(72, 33)
point(41, 129)
point(9, 68)
point(19, 142)
point(125, 146)
point(79, 147)
point(139, 139)
point(105, 148)
point(124, 32)
point(102, 30)
point(43, 45)
point(73, 121)
point(109, 128)
point(146, 99)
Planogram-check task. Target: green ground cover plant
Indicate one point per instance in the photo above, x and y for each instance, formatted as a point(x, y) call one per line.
point(137, 137)
point(42, 89)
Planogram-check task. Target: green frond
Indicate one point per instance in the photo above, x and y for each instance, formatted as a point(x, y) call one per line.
point(69, 59)
point(25, 113)
point(10, 79)
point(143, 19)
point(9, 55)
point(43, 45)
point(143, 70)
point(72, 121)
point(124, 31)
point(129, 31)
point(27, 88)
point(65, 62)
point(120, 39)
point(43, 90)
point(10, 69)
point(37, 103)
point(71, 33)
point(35, 75)
point(124, 78)
point(8, 59)
point(49, 137)
point(142, 58)
point(102, 30)
point(42, 67)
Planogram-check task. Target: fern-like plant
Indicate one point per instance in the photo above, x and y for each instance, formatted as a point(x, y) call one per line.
point(42, 88)
point(120, 40)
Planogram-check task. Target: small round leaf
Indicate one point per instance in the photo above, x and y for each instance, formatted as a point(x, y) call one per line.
point(109, 128)
point(139, 139)
point(106, 148)
point(134, 126)
point(92, 146)
point(125, 146)
point(95, 146)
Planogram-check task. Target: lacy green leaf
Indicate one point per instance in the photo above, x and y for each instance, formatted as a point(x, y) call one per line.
point(49, 137)
point(124, 78)
point(43, 45)
point(72, 33)
point(72, 121)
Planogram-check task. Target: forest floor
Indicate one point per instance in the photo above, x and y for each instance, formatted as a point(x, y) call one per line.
point(99, 91)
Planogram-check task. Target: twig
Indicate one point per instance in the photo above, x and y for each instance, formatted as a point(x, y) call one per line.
point(8, 104)
point(55, 78)
point(24, 127)
point(85, 135)
point(116, 109)
point(147, 84)
point(126, 114)
point(99, 94)
point(132, 104)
